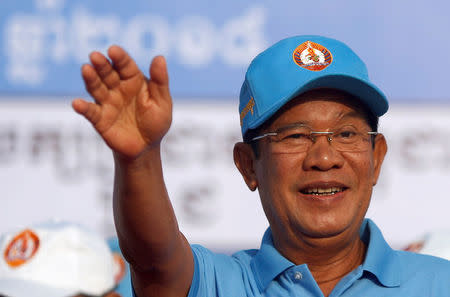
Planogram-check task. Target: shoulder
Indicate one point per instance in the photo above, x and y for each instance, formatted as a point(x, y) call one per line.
point(217, 274)
point(416, 260)
point(422, 261)
point(425, 270)
point(206, 257)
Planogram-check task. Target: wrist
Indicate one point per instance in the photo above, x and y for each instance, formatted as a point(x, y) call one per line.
point(148, 157)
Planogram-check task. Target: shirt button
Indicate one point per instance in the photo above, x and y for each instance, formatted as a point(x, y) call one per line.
point(298, 275)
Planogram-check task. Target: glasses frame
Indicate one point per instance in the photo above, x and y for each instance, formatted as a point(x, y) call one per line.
point(312, 134)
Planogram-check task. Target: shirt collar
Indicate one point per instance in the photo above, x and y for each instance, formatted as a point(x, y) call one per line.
point(268, 263)
point(380, 259)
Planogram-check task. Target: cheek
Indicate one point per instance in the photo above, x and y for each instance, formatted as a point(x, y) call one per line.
point(276, 175)
point(269, 176)
point(281, 169)
point(362, 170)
point(362, 166)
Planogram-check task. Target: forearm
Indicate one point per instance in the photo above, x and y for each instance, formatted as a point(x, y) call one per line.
point(145, 221)
point(132, 114)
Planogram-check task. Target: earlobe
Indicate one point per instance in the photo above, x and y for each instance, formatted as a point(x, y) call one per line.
point(243, 159)
point(253, 186)
point(379, 153)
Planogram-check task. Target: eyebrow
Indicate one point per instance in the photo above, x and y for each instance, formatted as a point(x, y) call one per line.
point(287, 126)
point(350, 115)
point(354, 114)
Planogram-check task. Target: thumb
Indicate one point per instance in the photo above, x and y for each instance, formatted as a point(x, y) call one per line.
point(89, 110)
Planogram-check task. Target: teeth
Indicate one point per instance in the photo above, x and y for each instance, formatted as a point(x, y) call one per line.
point(323, 191)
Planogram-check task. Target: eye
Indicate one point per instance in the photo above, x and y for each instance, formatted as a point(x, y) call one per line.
point(297, 135)
point(346, 134)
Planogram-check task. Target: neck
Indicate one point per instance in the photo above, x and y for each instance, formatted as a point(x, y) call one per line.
point(329, 259)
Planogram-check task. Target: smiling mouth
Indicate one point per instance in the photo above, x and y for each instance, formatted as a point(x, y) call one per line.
point(323, 191)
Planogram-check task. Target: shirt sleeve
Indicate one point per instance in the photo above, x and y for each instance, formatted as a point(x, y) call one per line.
point(203, 272)
point(215, 275)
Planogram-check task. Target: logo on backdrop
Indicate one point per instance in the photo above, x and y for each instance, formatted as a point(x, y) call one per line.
point(312, 56)
point(22, 248)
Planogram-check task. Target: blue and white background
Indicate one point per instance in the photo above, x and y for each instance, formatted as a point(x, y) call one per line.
point(209, 43)
point(53, 165)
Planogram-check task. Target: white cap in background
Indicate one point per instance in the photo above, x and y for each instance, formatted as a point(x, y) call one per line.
point(55, 260)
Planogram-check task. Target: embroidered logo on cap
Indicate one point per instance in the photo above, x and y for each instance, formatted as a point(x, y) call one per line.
point(22, 248)
point(312, 56)
point(247, 108)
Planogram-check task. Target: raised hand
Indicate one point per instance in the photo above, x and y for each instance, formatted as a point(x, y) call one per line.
point(130, 112)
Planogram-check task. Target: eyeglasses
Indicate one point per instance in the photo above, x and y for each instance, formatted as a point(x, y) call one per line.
point(298, 138)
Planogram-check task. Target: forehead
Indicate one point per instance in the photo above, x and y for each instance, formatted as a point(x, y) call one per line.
point(320, 106)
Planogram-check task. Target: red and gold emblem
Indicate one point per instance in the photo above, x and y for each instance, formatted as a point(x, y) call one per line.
point(22, 248)
point(312, 56)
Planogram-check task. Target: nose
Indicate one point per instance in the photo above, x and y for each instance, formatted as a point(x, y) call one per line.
point(322, 155)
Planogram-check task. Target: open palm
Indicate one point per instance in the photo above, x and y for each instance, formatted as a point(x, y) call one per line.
point(130, 112)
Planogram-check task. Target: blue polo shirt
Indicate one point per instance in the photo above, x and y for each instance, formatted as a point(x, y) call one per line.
point(265, 272)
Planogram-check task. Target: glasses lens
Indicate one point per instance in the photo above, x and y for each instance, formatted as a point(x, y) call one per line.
point(350, 139)
point(299, 138)
point(295, 138)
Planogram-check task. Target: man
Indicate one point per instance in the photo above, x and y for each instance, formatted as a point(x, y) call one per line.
point(309, 116)
point(58, 259)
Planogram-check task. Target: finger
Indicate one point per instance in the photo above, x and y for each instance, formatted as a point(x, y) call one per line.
point(158, 71)
point(159, 82)
point(124, 65)
point(104, 69)
point(89, 110)
point(94, 84)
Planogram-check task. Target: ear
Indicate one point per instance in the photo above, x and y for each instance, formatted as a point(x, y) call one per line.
point(379, 152)
point(244, 158)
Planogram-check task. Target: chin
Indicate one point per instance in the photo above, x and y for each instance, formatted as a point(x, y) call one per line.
point(327, 227)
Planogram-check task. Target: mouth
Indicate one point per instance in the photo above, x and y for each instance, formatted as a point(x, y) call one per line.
point(322, 191)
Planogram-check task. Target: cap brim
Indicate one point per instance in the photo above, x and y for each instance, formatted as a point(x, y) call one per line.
point(21, 288)
point(368, 93)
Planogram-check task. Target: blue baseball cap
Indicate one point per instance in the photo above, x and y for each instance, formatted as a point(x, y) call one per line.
point(296, 65)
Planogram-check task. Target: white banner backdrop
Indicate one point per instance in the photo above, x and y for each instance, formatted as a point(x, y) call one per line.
point(54, 166)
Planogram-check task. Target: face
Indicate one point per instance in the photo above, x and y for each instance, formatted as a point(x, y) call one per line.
point(288, 182)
